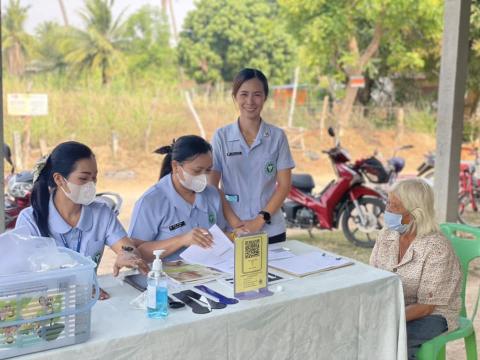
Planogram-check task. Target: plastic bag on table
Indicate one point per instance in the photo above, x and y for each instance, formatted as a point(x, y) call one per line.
point(20, 252)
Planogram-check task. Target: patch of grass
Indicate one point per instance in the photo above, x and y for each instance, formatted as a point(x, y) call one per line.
point(421, 120)
point(333, 241)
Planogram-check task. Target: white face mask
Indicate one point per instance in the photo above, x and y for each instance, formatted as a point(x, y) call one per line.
point(81, 194)
point(196, 183)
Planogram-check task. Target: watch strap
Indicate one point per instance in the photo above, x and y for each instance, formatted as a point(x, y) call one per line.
point(266, 216)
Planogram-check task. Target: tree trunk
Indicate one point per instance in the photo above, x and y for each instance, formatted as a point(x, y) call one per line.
point(471, 102)
point(357, 69)
point(105, 78)
point(174, 22)
point(347, 108)
point(16, 62)
point(64, 12)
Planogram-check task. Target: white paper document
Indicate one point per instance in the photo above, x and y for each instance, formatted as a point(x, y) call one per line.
point(309, 263)
point(219, 256)
point(278, 254)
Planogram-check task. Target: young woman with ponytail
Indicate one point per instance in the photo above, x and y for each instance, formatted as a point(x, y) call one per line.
point(180, 208)
point(63, 208)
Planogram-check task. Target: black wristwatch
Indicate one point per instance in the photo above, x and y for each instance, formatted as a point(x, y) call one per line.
point(127, 248)
point(266, 216)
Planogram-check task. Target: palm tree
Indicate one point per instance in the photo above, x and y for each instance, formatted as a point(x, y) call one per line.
point(50, 47)
point(98, 47)
point(64, 12)
point(16, 42)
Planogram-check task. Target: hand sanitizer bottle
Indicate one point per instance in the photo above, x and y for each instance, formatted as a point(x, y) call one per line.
point(157, 296)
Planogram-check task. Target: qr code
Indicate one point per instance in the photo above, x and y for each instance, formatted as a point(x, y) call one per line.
point(252, 249)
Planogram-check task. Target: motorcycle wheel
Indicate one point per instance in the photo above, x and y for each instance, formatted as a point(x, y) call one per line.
point(466, 213)
point(355, 232)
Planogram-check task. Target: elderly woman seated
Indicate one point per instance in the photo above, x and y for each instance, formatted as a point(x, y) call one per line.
point(412, 246)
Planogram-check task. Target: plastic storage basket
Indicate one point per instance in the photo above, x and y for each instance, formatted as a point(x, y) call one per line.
point(46, 310)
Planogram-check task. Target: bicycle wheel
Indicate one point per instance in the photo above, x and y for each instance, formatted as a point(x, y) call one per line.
point(468, 210)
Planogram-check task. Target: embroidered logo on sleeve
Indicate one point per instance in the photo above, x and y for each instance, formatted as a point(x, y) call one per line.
point(176, 226)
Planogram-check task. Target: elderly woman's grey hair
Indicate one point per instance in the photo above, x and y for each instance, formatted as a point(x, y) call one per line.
point(416, 195)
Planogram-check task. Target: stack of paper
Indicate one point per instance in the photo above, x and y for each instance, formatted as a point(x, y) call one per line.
point(220, 256)
point(309, 263)
point(278, 254)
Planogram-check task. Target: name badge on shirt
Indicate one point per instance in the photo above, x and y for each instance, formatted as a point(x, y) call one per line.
point(234, 153)
point(232, 198)
point(176, 226)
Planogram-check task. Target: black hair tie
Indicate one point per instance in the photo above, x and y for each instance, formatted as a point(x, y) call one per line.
point(164, 150)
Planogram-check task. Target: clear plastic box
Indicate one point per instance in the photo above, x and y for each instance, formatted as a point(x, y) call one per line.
point(46, 310)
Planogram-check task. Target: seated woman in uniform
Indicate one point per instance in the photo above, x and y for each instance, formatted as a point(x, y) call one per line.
point(63, 208)
point(413, 247)
point(179, 209)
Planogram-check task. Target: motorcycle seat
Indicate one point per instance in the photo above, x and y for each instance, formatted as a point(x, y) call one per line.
point(303, 182)
point(24, 176)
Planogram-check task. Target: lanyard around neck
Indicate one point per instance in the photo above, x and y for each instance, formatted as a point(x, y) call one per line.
point(79, 241)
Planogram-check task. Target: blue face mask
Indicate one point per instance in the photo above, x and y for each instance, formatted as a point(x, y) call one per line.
point(394, 222)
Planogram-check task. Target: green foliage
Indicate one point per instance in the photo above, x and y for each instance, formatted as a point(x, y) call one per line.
point(473, 76)
point(98, 47)
point(335, 34)
point(15, 41)
point(137, 49)
point(49, 53)
point(220, 37)
point(147, 43)
point(421, 120)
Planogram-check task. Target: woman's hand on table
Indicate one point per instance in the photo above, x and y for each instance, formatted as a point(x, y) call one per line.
point(130, 259)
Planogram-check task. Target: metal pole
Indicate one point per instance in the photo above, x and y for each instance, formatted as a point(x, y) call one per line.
point(293, 99)
point(2, 170)
point(451, 99)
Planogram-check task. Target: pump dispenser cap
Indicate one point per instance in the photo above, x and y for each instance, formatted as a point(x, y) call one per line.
point(157, 263)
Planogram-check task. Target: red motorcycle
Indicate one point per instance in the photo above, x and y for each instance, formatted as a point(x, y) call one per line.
point(468, 185)
point(345, 202)
point(17, 196)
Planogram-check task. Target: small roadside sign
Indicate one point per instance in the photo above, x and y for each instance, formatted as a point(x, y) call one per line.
point(27, 104)
point(357, 81)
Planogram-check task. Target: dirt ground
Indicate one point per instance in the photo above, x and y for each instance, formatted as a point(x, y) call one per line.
point(131, 174)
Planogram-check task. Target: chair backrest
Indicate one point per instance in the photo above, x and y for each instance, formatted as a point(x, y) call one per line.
point(466, 249)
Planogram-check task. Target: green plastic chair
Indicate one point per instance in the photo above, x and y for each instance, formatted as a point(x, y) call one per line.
point(466, 250)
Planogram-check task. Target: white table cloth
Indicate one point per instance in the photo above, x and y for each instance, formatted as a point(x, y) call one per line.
point(355, 312)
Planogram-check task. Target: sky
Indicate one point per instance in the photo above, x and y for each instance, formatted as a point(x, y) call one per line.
point(49, 10)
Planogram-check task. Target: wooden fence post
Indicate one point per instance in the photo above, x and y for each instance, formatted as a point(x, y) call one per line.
point(401, 121)
point(17, 149)
point(114, 145)
point(43, 147)
point(323, 115)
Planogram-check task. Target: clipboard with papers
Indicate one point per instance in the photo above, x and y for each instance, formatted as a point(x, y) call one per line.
point(309, 263)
